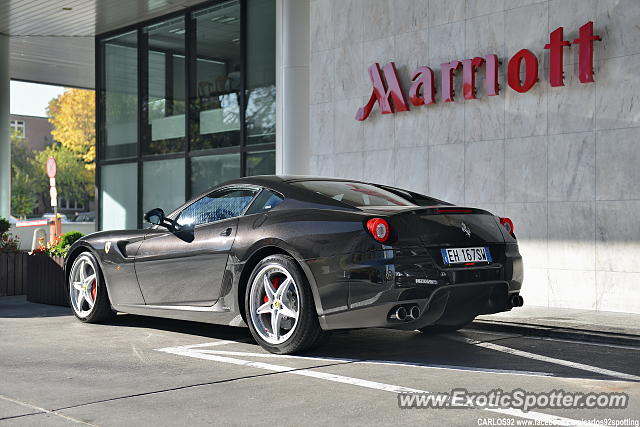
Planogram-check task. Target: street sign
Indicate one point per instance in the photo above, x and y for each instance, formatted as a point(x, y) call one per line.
point(52, 182)
point(53, 193)
point(52, 170)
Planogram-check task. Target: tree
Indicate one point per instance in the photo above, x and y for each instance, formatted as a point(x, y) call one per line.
point(74, 180)
point(24, 191)
point(73, 116)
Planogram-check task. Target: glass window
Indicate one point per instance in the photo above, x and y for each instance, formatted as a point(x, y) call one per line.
point(355, 193)
point(261, 163)
point(209, 171)
point(163, 184)
point(416, 198)
point(265, 201)
point(165, 128)
point(216, 206)
point(260, 113)
point(120, 96)
point(216, 103)
point(18, 128)
point(119, 196)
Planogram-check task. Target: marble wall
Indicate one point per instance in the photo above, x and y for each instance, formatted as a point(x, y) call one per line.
point(562, 162)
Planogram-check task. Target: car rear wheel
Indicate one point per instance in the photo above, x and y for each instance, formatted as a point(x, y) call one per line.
point(279, 306)
point(87, 292)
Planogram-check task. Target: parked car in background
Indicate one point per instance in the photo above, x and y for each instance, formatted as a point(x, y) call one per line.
point(50, 215)
point(85, 217)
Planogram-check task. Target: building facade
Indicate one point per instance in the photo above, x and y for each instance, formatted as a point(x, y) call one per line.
point(36, 130)
point(527, 108)
point(561, 161)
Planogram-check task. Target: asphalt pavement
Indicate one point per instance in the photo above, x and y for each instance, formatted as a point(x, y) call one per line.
point(55, 370)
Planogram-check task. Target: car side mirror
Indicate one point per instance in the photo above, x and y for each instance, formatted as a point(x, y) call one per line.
point(155, 216)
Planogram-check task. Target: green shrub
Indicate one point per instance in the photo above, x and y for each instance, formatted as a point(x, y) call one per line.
point(9, 243)
point(68, 239)
point(4, 226)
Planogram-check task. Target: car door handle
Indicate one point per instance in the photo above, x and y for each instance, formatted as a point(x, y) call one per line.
point(226, 232)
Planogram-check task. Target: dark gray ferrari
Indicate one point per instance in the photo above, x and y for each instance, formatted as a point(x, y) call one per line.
point(293, 257)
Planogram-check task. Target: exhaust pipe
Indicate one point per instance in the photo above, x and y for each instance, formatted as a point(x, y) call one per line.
point(414, 312)
point(516, 300)
point(401, 313)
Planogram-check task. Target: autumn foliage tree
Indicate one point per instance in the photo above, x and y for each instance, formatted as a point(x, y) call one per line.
point(73, 116)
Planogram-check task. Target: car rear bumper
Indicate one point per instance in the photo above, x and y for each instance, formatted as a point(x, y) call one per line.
point(360, 289)
point(447, 305)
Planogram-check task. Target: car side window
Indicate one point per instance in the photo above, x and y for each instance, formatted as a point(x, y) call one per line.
point(216, 207)
point(265, 201)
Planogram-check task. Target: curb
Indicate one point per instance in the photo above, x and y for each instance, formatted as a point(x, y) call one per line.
point(572, 334)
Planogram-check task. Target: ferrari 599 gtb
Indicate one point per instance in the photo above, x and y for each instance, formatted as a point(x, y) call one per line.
point(294, 257)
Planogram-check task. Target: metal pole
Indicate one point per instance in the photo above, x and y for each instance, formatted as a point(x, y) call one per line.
point(5, 142)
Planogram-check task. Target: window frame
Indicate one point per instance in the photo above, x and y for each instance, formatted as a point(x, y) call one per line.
point(18, 126)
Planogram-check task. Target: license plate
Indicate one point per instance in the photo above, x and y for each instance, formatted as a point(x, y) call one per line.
point(465, 255)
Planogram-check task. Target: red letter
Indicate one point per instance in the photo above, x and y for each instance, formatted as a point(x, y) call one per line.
point(531, 67)
point(447, 70)
point(381, 94)
point(424, 76)
point(491, 78)
point(469, 67)
point(556, 43)
point(585, 55)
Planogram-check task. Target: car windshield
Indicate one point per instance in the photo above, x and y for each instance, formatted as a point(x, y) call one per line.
point(354, 193)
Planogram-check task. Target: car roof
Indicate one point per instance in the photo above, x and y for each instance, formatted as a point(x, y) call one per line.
point(275, 179)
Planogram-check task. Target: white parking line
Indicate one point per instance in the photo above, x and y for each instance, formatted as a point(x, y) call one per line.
point(547, 419)
point(565, 340)
point(547, 359)
point(381, 362)
point(210, 344)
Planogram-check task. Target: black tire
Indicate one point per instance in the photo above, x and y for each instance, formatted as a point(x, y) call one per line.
point(101, 310)
point(443, 329)
point(307, 333)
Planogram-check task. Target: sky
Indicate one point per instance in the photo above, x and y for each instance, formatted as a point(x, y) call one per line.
point(31, 99)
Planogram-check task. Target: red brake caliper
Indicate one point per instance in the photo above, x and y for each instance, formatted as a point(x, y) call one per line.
point(275, 282)
point(94, 290)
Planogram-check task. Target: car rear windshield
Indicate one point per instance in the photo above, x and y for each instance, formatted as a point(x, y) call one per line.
point(354, 193)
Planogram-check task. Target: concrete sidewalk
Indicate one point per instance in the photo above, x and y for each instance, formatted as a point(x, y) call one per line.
point(565, 323)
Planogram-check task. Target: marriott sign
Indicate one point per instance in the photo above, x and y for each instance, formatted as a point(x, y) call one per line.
point(389, 95)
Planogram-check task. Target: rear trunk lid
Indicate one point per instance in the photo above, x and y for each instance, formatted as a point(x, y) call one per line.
point(443, 226)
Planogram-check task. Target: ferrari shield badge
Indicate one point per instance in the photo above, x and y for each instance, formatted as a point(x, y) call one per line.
point(466, 229)
point(107, 247)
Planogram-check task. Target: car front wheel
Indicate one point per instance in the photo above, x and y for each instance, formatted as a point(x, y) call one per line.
point(279, 306)
point(87, 292)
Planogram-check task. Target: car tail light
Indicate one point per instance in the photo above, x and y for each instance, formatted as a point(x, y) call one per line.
point(379, 229)
point(508, 224)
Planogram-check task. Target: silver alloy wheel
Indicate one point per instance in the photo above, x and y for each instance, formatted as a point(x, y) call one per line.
point(83, 285)
point(274, 303)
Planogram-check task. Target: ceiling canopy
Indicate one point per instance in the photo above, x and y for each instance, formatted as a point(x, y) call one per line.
point(53, 42)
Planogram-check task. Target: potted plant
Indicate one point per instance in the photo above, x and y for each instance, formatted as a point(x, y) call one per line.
point(13, 265)
point(46, 271)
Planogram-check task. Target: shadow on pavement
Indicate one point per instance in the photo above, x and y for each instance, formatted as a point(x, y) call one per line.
point(19, 307)
point(205, 330)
